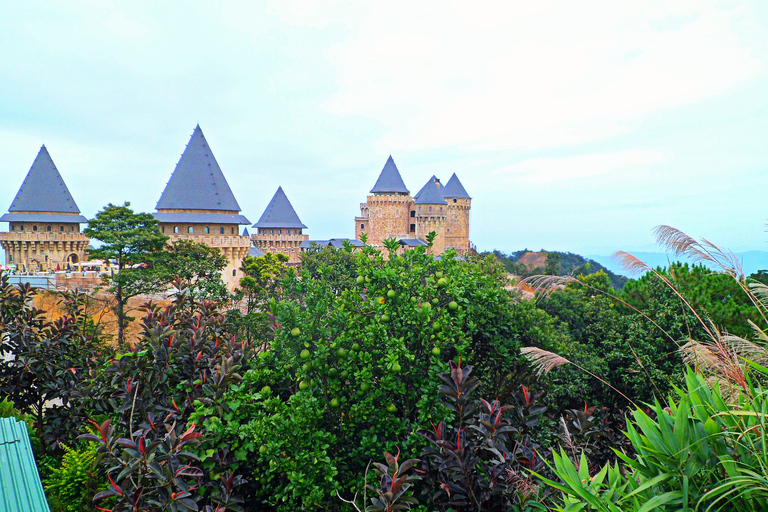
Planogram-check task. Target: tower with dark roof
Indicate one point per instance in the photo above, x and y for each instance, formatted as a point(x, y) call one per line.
point(388, 210)
point(44, 221)
point(198, 204)
point(279, 228)
point(391, 212)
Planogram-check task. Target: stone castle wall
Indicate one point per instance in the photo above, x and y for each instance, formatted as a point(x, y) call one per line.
point(288, 244)
point(385, 216)
point(43, 250)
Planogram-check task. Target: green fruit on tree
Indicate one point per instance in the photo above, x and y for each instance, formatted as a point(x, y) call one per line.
point(442, 282)
point(435, 301)
point(263, 449)
point(303, 385)
point(367, 279)
point(335, 403)
point(341, 353)
point(266, 390)
point(427, 305)
point(365, 386)
point(396, 368)
point(304, 354)
point(360, 279)
point(356, 347)
point(385, 318)
point(439, 275)
point(391, 293)
point(380, 300)
point(344, 374)
point(333, 372)
point(295, 331)
point(453, 305)
point(435, 351)
point(391, 408)
point(414, 299)
point(306, 367)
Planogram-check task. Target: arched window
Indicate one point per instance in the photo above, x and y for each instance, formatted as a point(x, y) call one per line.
point(221, 230)
point(207, 230)
point(279, 231)
point(175, 229)
point(232, 231)
point(413, 228)
point(21, 228)
point(413, 213)
point(162, 229)
point(71, 228)
point(34, 228)
point(271, 231)
point(61, 228)
point(48, 228)
point(362, 226)
point(190, 230)
point(454, 200)
point(234, 273)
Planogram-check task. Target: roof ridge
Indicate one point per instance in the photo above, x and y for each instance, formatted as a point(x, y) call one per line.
point(390, 180)
point(43, 189)
point(279, 213)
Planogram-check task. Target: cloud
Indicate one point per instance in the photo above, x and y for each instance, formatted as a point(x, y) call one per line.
point(550, 170)
point(525, 75)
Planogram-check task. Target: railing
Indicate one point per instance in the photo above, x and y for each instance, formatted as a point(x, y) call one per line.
point(214, 240)
point(42, 236)
point(268, 237)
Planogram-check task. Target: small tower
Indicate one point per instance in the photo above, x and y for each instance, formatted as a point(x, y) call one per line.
point(44, 221)
point(457, 220)
point(388, 213)
point(431, 213)
point(197, 204)
point(279, 229)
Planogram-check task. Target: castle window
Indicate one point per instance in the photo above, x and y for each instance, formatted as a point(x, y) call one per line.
point(413, 213)
point(21, 228)
point(232, 230)
point(279, 231)
point(221, 230)
point(413, 228)
point(13, 228)
point(454, 200)
point(175, 229)
point(47, 228)
point(71, 228)
point(34, 228)
point(234, 273)
point(61, 228)
point(207, 230)
point(430, 209)
point(162, 229)
point(10, 257)
point(190, 230)
point(271, 231)
point(362, 226)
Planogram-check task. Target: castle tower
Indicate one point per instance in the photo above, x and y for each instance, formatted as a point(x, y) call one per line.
point(44, 221)
point(197, 204)
point(457, 219)
point(431, 214)
point(389, 212)
point(279, 229)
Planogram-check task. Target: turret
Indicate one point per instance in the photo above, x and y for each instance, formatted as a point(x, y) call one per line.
point(279, 228)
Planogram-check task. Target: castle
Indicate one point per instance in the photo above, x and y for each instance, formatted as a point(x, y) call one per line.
point(198, 204)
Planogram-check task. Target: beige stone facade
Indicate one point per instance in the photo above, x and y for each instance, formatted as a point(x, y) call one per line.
point(279, 240)
point(43, 246)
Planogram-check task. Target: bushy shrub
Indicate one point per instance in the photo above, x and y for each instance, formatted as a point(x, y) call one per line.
point(70, 487)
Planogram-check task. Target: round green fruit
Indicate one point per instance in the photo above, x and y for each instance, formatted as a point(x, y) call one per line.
point(295, 331)
point(385, 318)
point(344, 374)
point(341, 353)
point(442, 282)
point(435, 351)
point(356, 347)
point(306, 367)
point(391, 293)
point(427, 305)
point(453, 305)
point(266, 390)
point(333, 372)
point(439, 275)
point(365, 386)
point(263, 449)
point(414, 299)
point(435, 301)
point(391, 408)
point(380, 300)
point(335, 403)
point(396, 368)
point(360, 280)
point(304, 354)
point(303, 385)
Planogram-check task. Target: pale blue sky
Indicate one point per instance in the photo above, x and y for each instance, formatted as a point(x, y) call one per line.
point(575, 126)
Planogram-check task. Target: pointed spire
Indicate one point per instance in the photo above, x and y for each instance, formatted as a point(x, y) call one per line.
point(431, 193)
point(279, 213)
point(44, 190)
point(455, 189)
point(433, 178)
point(389, 180)
point(197, 182)
point(245, 232)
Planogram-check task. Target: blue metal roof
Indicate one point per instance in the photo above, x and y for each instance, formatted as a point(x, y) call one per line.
point(454, 188)
point(43, 217)
point(389, 180)
point(433, 178)
point(255, 252)
point(197, 182)
point(20, 486)
point(43, 189)
point(413, 242)
point(201, 218)
point(279, 213)
point(431, 193)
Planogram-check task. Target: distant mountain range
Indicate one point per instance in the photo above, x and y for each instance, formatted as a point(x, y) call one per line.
point(524, 263)
point(751, 261)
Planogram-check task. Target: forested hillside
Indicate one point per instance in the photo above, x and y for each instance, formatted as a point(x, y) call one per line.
point(527, 263)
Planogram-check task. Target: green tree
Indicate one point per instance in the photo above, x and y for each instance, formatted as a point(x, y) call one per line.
point(131, 240)
point(193, 267)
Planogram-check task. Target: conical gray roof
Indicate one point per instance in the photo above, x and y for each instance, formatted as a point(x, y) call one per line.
point(454, 188)
point(43, 191)
point(433, 178)
point(431, 193)
point(279, 213)
point(389, 180)
point(245, 232)
point(197, 182)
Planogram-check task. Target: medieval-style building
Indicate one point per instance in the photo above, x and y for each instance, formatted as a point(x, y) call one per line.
point(44, 221)
point(197, 204)
point(391, 212)
point(279, 228)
